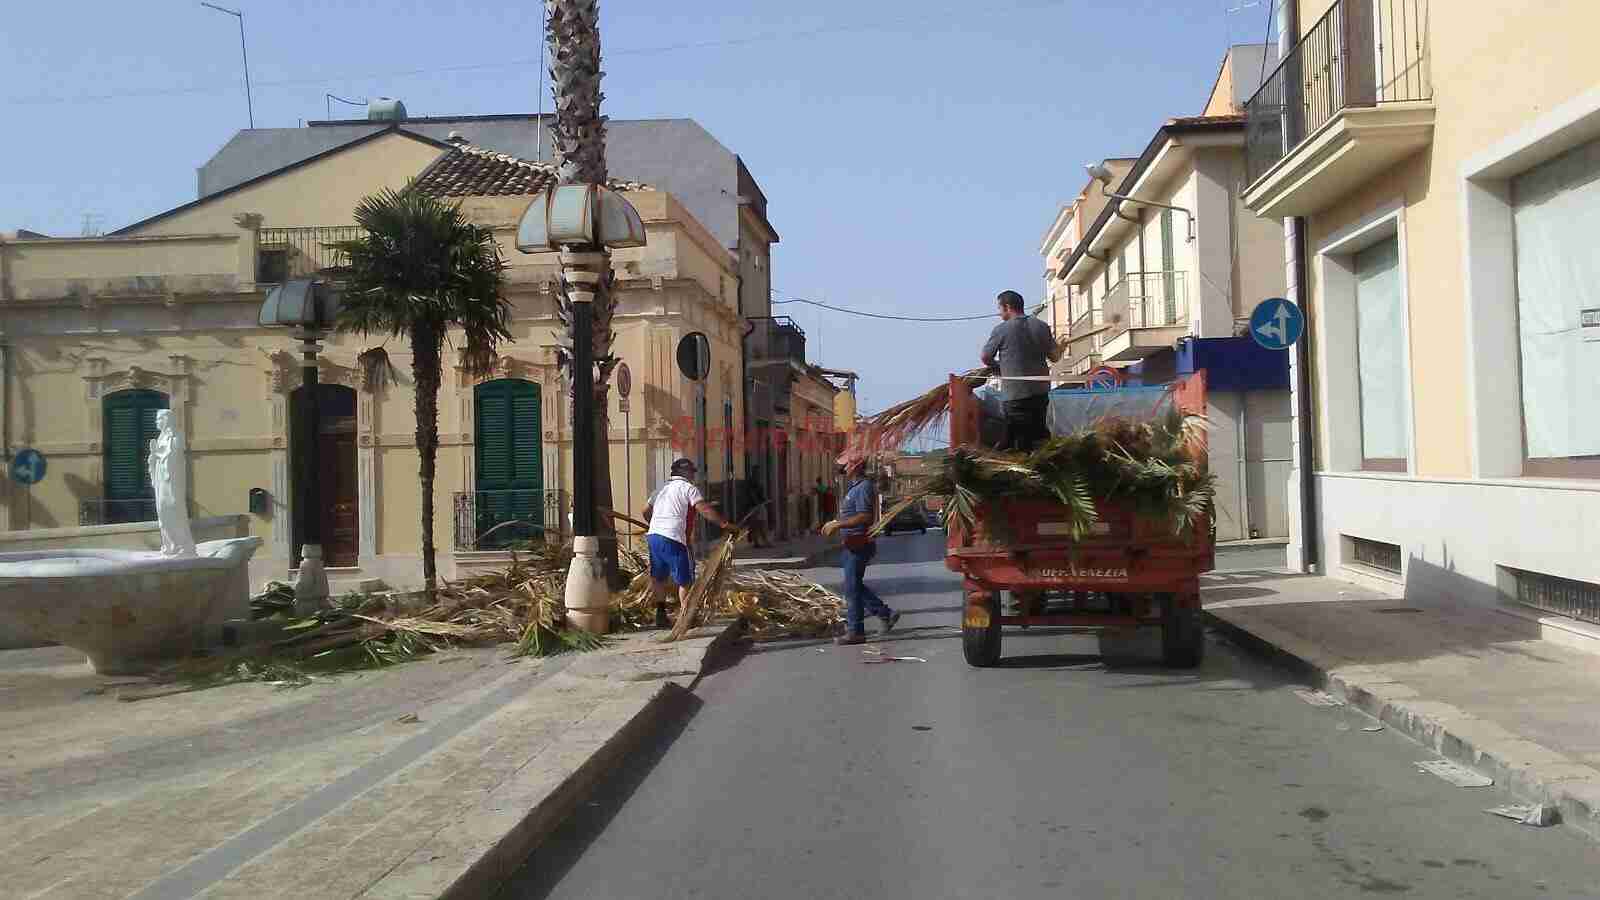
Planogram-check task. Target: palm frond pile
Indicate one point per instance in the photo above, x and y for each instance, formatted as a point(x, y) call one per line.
point(1157, 467)
point(893, 427)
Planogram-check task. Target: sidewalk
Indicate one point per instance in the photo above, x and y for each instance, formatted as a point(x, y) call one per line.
point(1476, 685)
point(431, 779)
point(802, 552)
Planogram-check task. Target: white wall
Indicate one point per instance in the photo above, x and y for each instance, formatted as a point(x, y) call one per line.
point(1454, 533)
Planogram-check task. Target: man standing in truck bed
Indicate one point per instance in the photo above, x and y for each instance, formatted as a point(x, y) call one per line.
point(1021, 345)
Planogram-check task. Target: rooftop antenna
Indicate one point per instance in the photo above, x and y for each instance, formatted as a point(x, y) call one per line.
point(327, 104)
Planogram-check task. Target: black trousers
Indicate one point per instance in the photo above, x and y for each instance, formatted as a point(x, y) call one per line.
point(1025, 428)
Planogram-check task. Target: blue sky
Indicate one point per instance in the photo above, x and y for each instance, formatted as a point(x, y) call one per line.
point(913, 151)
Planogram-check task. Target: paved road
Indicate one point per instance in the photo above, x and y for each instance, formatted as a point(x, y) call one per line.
point(803, 773)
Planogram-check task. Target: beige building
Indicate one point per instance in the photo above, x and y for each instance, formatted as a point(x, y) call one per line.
point(1436, 168)
point(97, 333)
point(1059, 240)
point(1161, 283)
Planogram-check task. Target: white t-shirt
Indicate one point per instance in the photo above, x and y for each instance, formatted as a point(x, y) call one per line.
point(669, 508)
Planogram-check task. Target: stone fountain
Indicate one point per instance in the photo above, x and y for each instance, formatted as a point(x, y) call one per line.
point(129, 610)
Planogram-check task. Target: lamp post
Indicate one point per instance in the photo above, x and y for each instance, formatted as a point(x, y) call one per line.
point(309, 307)
point(249, 104)
point(582, 222)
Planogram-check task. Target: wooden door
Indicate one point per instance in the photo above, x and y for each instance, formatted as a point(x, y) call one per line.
point(340, 524)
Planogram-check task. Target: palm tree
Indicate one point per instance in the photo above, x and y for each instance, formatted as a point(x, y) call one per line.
point(572, 32)
point(421, 270)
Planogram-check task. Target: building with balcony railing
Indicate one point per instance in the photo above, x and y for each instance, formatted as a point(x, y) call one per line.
point(1161, 280)
point(1438, 165)
point(102, 333)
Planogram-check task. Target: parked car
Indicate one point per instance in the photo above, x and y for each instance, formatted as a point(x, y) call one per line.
point(912, 518)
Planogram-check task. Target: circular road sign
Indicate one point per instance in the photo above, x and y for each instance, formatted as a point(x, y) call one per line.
point(28, 466)
point(694, 356)
point(1104, 378)
point(624, 380)
point(1276, 324)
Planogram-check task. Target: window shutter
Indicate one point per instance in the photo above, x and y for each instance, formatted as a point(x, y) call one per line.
point(130, 426)
point(510, 475)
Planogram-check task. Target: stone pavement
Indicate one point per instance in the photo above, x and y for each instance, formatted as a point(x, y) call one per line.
point(1480, 686)
point(427, 780)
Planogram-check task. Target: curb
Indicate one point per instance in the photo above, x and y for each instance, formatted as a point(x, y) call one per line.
point(1528, 770)
point(473, 857)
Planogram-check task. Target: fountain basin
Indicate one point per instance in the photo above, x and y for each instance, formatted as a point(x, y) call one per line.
point(127, 610)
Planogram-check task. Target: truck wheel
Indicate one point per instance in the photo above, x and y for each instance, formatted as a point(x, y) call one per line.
point(980, 629)
point(1183, 640)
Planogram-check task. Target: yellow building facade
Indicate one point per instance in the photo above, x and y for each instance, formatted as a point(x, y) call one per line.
point(1439, 192)
point(96, 332)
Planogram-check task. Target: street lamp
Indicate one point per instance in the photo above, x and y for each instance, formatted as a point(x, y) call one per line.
point(248, 104)
point(1100, 173)
point(309, 307)
point(583, 222)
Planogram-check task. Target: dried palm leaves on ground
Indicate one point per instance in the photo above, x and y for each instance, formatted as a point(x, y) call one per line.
point(521, 604)
point(1157, 467)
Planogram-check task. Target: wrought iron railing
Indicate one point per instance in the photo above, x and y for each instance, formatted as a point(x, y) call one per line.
point(503, 520)
point(285, 253)
point(116, 512)
point(777, 337)
point(1147, 300)
point(1087, 321)
point(1361, 53)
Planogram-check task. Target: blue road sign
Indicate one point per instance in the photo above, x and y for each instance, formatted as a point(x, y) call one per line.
point(27, 467)
point(1276, 324)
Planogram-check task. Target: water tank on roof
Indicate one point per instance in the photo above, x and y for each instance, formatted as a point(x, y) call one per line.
point(386, 109)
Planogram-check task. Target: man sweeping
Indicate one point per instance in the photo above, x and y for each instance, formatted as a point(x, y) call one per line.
point(1021, 346)
point(668, 536)
point(856, 515)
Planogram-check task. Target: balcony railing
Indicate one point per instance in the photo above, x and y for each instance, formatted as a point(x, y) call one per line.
point(503, 520)
point(1087, 321)
point(285, 253)
point(777, 338)
point(1147, 300)
point(1360, 54)
point(116, 512)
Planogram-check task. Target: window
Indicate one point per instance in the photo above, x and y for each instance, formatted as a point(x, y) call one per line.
point(1380, 356)
point(129, 427)
point(1122, 264)
point(510, 479)
point(1555, 215)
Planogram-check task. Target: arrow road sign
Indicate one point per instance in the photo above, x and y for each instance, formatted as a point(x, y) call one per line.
point(1277, 324)
point(28, 466)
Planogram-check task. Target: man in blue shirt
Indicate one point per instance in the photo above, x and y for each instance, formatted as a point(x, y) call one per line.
point(856, 514)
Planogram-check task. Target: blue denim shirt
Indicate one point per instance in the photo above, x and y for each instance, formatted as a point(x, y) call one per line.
point(858, 498)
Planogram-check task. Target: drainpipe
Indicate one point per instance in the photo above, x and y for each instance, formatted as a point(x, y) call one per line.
point(1294, 232)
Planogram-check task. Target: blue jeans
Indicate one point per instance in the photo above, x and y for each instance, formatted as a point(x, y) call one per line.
point(860, 600)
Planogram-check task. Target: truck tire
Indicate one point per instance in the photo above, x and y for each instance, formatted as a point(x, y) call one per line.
point(1183, 639)
point(980, 629)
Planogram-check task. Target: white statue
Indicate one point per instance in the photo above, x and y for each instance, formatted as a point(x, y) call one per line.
point(169, 476)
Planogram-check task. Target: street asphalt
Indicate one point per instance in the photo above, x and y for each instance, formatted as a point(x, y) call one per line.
point(800, 771)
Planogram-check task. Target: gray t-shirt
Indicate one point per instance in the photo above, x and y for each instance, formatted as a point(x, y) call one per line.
point(1019, 344)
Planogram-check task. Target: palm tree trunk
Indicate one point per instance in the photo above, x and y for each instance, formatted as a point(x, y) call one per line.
point(573, 35)
point(427, 346)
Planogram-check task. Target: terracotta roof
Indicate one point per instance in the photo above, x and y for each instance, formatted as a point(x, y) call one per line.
point(469, 171)
point(1183, 121)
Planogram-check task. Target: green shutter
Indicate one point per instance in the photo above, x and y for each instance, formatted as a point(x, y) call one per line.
point(509, 472)
point(129, 427)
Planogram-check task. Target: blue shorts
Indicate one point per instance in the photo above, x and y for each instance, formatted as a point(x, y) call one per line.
point(668, 557)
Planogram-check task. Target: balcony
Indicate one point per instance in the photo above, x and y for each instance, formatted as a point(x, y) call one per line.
point(505, 520)
point(285, 253)
point(1353, 98)
point(1145, 312)
point(776, 339)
